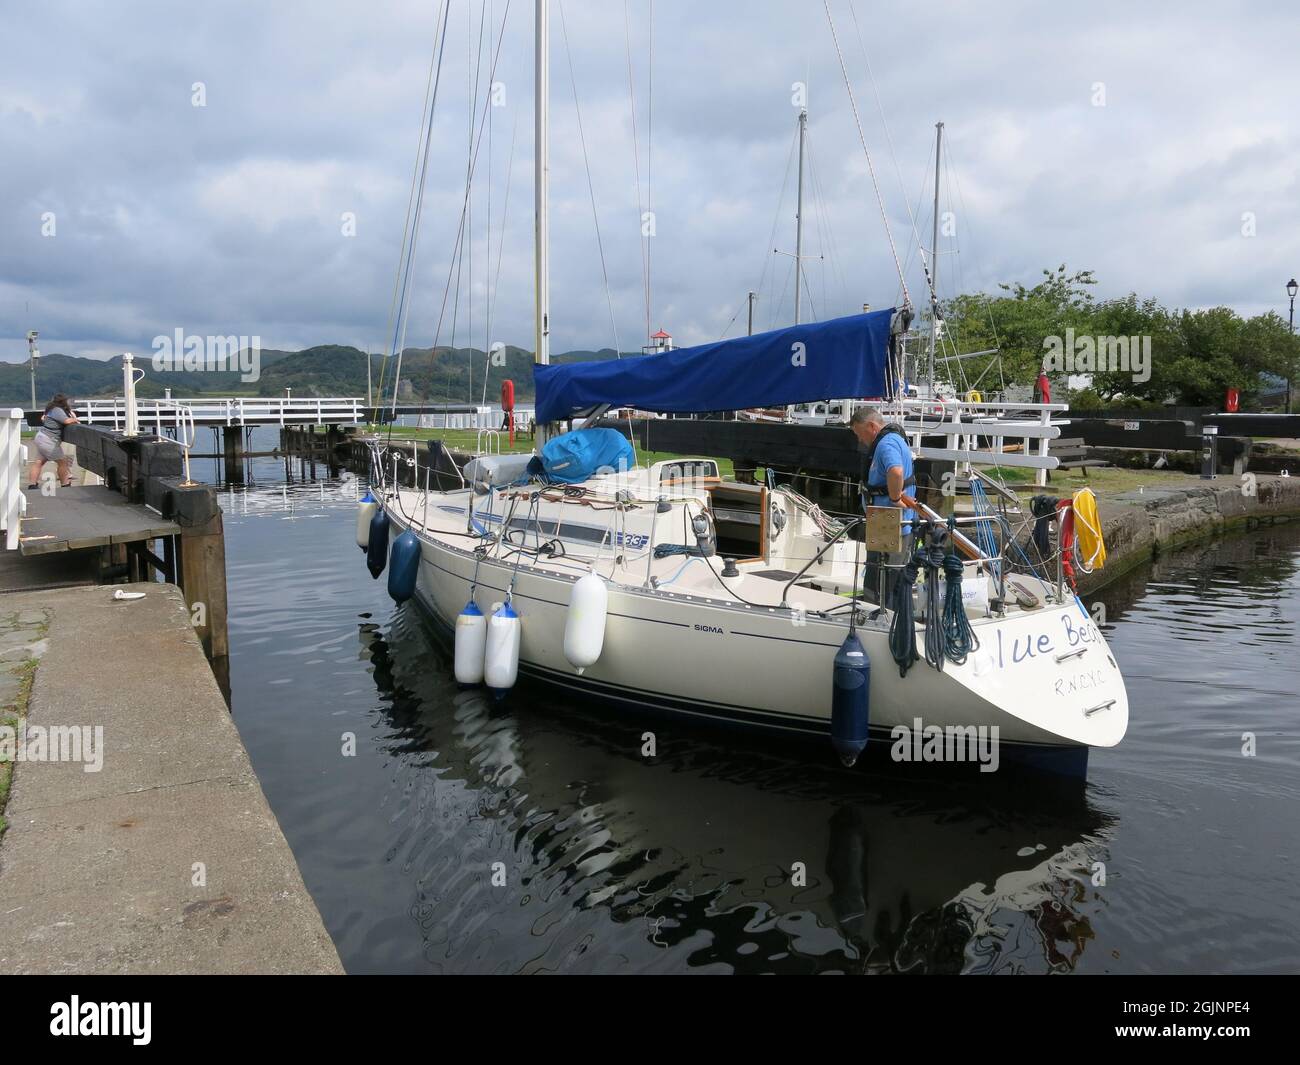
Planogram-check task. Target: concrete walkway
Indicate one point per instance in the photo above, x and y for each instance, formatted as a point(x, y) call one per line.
point(168, 859)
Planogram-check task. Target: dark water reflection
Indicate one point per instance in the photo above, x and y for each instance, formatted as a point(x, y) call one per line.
point(612, 862)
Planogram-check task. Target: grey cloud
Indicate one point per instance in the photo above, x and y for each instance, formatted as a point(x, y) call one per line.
point(227, 218)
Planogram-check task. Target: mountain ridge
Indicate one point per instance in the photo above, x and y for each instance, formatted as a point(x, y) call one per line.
point(441, 375)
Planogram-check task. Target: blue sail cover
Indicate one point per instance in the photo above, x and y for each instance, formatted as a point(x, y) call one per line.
point(843, 358)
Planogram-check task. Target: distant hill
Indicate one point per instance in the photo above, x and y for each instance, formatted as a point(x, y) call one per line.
point(447, 375)
point(89, 378)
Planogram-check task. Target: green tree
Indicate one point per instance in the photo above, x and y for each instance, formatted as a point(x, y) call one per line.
point(1017, 324)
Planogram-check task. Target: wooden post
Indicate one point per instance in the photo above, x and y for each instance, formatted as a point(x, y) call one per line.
point(203, 580)
point(234, 450)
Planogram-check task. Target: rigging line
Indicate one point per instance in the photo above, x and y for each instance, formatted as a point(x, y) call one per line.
point(831, 243)
point(460, 232)
point(455, 317)
point(983, 296)
point(812, 307)
point(469, 224)
point(825, 232)
point(649, 149)
point(636, 160)
point(733, 319)
point(954, 330)
point(501, 241)
point(404, 305)
point(487, 230)
point(458, 252)
point(914, 243)
point(959, 266)
point(826, 242)
point(595, 217)
point(771, 321)
point(884, 217)
point(768, 257)
point(467, 247)
point(410, 203)
point(471, 87)
point(395, 309)
point(889, 140)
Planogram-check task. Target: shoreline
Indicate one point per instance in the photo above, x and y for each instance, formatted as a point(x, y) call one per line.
point(1139, 526)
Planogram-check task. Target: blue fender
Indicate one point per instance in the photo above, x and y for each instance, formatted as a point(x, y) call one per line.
point(377, 547)
point(850, 700)
point(404, 566)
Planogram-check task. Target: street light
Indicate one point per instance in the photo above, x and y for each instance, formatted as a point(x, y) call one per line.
point(34, 353)
point(1291, 288)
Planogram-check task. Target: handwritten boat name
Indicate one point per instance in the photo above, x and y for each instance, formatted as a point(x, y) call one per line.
point(1076, 633)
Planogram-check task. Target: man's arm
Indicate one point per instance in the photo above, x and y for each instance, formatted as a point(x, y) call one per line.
point(894, 482)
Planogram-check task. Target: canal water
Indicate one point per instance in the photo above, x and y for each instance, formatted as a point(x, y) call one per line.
point(441, 832)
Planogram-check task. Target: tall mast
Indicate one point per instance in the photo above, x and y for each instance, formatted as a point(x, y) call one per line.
point(541, 236)
point(798, 226)
point(934, 259)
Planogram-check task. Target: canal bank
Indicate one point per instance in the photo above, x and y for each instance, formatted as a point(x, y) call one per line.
point(139, 839)
point(1142, 523)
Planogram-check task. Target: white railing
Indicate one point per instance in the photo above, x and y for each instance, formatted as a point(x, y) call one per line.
point(211, 410)
point(965, 422)
point(181, 419)
point(13, 460)
point(480, 418)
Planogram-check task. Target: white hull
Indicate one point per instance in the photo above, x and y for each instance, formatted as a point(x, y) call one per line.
point(700, 656)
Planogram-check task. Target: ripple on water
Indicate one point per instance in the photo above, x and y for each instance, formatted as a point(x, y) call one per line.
point(531, 836)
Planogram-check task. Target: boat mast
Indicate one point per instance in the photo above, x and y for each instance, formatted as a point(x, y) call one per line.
point(798, 226)
point(934, 259)
point(541, 164)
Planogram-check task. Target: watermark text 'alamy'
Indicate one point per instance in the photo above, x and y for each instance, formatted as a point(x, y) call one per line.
point(214, 354)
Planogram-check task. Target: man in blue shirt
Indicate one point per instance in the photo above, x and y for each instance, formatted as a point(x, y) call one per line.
point(889, 478)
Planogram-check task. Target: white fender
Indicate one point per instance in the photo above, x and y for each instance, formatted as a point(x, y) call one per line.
point(470, 645)
point(584, 625)
point(501, 659)
point(365, 511)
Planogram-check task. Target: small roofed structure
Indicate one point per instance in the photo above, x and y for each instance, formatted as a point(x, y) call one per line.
point(659, 343)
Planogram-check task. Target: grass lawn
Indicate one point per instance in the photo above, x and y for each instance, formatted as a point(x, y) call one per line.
point(1104, 481)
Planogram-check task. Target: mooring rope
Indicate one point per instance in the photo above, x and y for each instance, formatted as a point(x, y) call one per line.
point(902, 630)
point(958, 637)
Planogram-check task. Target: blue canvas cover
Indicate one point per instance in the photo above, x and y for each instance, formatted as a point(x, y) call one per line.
point(578, 455)
point(843, 358)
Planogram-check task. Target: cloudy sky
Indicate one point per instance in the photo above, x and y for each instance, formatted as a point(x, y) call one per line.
point(1155, 145)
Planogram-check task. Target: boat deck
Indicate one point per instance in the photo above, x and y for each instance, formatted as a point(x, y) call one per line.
point(683, 575)
point(443, 517)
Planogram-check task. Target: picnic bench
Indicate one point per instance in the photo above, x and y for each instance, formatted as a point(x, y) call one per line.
point(1072, 454)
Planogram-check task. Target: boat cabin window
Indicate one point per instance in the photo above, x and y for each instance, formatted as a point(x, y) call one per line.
point(680, 471)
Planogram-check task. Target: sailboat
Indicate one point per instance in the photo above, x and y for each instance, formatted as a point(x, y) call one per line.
point(666, 588)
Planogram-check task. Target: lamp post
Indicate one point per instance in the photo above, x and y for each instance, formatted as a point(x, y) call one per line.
point(1291, 288)
point(34, 353)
